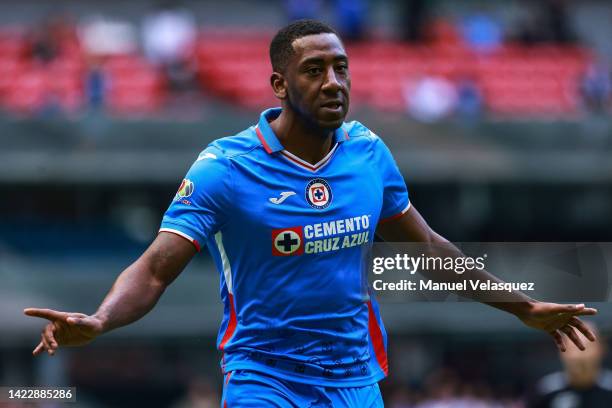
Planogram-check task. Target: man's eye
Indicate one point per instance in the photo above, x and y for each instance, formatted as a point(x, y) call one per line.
point(341, 68)
point(314, 71)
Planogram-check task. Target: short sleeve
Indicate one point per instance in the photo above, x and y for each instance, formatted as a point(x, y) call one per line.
point(200, 205)
point(395, 194)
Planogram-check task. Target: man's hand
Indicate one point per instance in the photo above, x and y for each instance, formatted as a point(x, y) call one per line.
point(65, 329)
point(558, 320)
point(133, 295)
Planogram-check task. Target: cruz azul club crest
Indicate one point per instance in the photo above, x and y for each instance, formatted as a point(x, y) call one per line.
point(318, 194)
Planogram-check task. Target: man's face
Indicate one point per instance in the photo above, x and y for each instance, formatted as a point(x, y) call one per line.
point(582, 367)
point(318, 81)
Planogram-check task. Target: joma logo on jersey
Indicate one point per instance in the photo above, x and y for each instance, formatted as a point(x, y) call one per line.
point(287, 241)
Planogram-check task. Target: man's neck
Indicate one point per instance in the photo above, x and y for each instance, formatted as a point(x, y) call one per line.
point(302, 140)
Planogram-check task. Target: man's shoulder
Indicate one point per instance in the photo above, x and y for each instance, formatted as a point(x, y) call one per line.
point(605, 380)
point(359, 132)
point(240, 144)
point(215, 161)
point(551, 383)
point(361, 138)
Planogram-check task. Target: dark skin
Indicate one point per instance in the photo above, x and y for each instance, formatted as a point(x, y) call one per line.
point(558, 320)
point(314, 93)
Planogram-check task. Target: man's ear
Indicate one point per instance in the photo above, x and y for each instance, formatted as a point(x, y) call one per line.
point(279, 85)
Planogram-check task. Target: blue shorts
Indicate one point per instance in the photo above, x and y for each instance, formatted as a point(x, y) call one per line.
point(251, 389)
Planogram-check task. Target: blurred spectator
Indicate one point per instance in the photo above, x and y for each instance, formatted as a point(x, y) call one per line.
point(300, 9)
point(482, 33)
point(557, 22)
point(443, 32)
point(469, 100)
point(415, 15)
point(583, 384)
point(547, 22)
point(200, 394)
point(430, 99)
point(352, 17)
point(169, 36)
point(400, 398)
point(95, 84)
point(55, 36)
point(596, 87)
point(443, 388)
point(104, 37)
point(43, 47)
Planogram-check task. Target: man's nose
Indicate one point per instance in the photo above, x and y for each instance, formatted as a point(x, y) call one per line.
point(331, 81)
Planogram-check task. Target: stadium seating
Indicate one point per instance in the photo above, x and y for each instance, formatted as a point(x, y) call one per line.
point(30, 87)
point(515, 81)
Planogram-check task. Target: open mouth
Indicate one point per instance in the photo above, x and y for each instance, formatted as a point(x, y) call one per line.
point(332, 105)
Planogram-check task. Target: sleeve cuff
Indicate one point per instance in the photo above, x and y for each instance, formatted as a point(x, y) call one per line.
point(173, 229)
point(395, 216)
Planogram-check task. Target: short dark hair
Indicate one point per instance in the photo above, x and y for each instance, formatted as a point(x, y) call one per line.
point(281, 48)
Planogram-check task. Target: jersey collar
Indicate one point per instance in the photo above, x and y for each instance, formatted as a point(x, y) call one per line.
point(269, 140)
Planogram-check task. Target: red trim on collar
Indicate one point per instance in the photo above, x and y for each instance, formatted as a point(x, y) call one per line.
point(304, 164)
point(263, 140)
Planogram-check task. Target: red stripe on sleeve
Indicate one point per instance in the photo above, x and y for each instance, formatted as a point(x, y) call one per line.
point(195, 243)
point(396, 216)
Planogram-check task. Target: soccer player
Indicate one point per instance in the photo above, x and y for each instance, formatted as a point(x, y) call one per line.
point(287, 208)
point(582, 384)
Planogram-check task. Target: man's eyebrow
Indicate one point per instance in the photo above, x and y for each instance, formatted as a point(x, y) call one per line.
point(319, 60)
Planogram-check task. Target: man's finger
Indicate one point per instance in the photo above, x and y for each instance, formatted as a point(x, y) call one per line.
point(38, 349)
point(49, 336)
point(588, 311)
point(583, 328)
point(46, 344)
point(557, 308)
point(558, 340)
point(573, 336)
point(45, 313)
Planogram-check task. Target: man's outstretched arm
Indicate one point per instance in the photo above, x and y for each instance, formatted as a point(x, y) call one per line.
point(555, 319)
point(134, 293)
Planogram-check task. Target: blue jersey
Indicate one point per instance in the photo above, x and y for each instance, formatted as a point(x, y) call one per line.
point(290, 240)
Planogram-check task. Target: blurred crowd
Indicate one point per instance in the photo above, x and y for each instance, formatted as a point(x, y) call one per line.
point(62, 66)
point(444, 388)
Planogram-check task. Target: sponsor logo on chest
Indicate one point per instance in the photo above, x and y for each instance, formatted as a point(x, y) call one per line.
point(322, 236)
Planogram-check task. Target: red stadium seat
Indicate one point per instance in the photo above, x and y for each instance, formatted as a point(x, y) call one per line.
point(515, 79)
